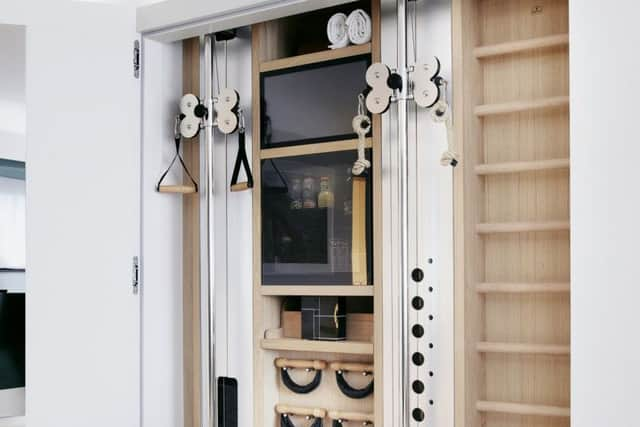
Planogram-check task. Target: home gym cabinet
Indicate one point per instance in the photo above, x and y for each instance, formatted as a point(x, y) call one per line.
point(511, 74)
point(323, 258)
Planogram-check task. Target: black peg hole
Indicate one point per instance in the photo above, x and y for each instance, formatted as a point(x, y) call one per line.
point(430, 261)
point(430, 345)
point(417, 303)
point(418, 414)
point(430, 373)
point(431, 402)
point(417, 275)
point(417, 331)
point(418, 359)
point(430, 288)
point(418, 387)
point(430, 317)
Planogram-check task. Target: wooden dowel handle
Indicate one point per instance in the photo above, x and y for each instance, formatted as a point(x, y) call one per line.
point(351, 367)
point(241, 186)
point(318, 365)
point(177, 189)
point(351, 416)
point(301, 412)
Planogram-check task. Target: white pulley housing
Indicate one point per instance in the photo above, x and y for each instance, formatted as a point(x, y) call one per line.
point(425, 91)
point(189, 124)
point(225, 106)
point(379, 97)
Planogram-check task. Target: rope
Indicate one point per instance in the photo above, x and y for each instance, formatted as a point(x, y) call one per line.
point(441, 113)
point(361, 126)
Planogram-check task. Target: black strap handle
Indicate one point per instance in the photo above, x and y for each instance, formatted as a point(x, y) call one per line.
point(285, 421)
point(184, 167)
point(241, 160)
point(297, 388)
point(351, 392)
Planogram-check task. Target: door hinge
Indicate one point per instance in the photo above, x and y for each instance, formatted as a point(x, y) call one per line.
point(135, 275)
point(136, 59)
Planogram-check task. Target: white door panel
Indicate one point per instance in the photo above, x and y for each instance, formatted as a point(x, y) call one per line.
point(82, 214)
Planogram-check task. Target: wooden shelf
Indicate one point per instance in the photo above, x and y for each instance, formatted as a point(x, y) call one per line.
point(511, 348)
point(313, 58)
point(317, 290)
point(521, 46)
point(341, 347)
point(521, 227)
point(177, 189)
point(523, 409)
point(309, 149)
point(521, 106)
point(516, 167)
point(523, 288)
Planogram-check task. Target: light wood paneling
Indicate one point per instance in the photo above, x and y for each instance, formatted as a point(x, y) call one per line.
point(191, 250)
point(308, 149)
point(317, 290)
point(340, 347)
point(512, 62)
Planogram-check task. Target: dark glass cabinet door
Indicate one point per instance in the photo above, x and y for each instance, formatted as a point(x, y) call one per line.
point(307, 220)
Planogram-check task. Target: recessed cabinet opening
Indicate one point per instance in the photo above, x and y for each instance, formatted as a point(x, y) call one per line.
point(308, 220)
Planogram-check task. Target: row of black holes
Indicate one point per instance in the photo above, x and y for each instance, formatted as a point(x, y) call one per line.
point(418, 331)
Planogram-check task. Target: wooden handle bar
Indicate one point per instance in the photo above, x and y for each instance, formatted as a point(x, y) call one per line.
point(177, 189)
point(301, 412)
point(241, 186)
point(351, 367)
point(318, 365)
point(351, 416)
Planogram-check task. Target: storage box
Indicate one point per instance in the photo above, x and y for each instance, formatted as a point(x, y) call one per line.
point(324, 318)
point(292, 324)
point(360, 327)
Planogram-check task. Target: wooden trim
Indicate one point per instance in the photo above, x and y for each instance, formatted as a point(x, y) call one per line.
point(522, 288)
point(191, 252)
point(317, 290)
point(508, 48)
point(513, 348)
point(310, 149)
point(340, 347)
point(516, 167)
point(521, 106)
point(316, 57)
point(522, 227)
point(523, 409)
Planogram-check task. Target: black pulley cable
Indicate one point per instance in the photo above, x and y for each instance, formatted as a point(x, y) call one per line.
point(351, 392)
point(297, 388)
point(241, 160)
point(178, 156)
point(285, 421)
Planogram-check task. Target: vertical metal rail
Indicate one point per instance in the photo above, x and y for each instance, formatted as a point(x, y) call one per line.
point(207, 290)
point(403, 182)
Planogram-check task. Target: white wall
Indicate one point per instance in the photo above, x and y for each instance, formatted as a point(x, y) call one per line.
point(12, 92)
point(605, 209)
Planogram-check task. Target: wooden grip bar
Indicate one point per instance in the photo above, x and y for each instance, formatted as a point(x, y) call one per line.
point(351, 416)
point(318, 365)
point(177, 189)
point(301, 412)
point(241, 186)
point(351, 367)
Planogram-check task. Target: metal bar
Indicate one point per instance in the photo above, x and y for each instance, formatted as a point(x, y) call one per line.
point(403, 182)
point(207, 290)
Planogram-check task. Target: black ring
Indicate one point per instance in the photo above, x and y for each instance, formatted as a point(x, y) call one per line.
point(297, 388)
point(351, 392)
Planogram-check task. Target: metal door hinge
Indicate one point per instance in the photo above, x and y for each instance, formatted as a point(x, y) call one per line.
point(136, 59)
point(135, 275)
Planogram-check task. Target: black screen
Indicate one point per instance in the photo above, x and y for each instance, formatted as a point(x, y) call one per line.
point(12, 349)
point(312, 103)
